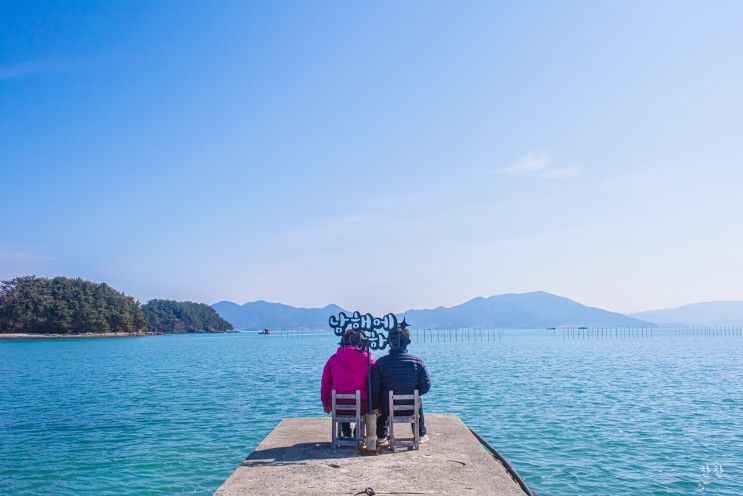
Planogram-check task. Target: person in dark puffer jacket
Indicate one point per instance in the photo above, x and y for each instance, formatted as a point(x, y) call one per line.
point(402, 373)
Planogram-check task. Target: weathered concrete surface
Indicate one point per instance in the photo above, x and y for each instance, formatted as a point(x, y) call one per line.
point(296, 458)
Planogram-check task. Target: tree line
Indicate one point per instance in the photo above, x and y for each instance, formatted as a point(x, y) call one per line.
point(62, 305)
point(183, 316)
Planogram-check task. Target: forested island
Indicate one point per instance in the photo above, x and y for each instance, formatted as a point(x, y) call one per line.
point(74, 306)
point(183, 316)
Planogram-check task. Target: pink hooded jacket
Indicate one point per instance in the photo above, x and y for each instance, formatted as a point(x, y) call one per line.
point(345, 372)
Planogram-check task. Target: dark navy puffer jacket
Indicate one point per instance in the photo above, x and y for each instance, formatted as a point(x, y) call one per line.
point(400, 372)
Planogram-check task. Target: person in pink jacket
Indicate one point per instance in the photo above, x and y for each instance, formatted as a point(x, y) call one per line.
point(345, 371)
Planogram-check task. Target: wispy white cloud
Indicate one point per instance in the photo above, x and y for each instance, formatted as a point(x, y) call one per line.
point(34, 68)
point(526, 165)
point(536, 165)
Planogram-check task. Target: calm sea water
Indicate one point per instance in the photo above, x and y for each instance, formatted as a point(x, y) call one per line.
point(176, 414)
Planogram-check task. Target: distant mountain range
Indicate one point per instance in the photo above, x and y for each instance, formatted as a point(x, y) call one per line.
point(708, 313)
point(260, 314)
point(525, 310)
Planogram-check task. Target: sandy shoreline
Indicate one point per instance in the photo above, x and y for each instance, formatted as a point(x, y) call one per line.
point(20, 335)
point(72, 336)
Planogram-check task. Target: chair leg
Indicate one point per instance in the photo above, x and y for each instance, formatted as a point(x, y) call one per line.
point(333, 424)
point(358, 418)
point(416, 423)
point(392, 435)
point(333, 437)
point(391, 420)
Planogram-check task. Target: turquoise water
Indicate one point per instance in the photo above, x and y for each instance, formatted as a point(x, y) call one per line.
point(176, 414)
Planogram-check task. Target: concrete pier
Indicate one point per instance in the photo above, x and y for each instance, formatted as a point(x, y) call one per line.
point(295, 458)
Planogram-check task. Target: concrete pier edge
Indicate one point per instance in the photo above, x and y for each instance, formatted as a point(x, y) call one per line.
point(296, 458)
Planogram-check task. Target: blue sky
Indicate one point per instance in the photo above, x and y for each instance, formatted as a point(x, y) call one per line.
point(382, 157)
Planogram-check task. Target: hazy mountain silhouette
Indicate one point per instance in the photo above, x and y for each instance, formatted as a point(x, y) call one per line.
point(705, 313)
point(525, 310)
point(260, 314)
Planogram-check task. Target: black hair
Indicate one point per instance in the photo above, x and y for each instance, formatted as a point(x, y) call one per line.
point(399, 338)
point(352, 336)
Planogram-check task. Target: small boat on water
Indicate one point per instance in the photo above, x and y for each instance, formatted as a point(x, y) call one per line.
point(265, 331)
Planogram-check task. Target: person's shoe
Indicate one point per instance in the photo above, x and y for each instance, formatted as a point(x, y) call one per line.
point(382, 440)
point(423, 438)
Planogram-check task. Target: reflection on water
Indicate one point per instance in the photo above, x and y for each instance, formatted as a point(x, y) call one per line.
point(660, 413)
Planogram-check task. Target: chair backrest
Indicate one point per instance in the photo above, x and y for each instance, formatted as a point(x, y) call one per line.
point(348, 404)
point(404, 410)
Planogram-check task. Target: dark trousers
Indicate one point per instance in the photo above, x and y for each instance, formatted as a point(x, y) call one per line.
point(383, 428)
point(346, 429)
point(346, 426)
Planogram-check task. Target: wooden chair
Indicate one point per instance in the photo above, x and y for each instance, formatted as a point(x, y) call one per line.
point(413, 420)
point(346, 412)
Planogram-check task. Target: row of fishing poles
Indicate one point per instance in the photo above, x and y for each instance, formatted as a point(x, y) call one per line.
point(474, 334)
point(425, 335)
point(452, 335)
point(642, 332)
point(471, 334)
point(714, 330)
point(602, 332)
